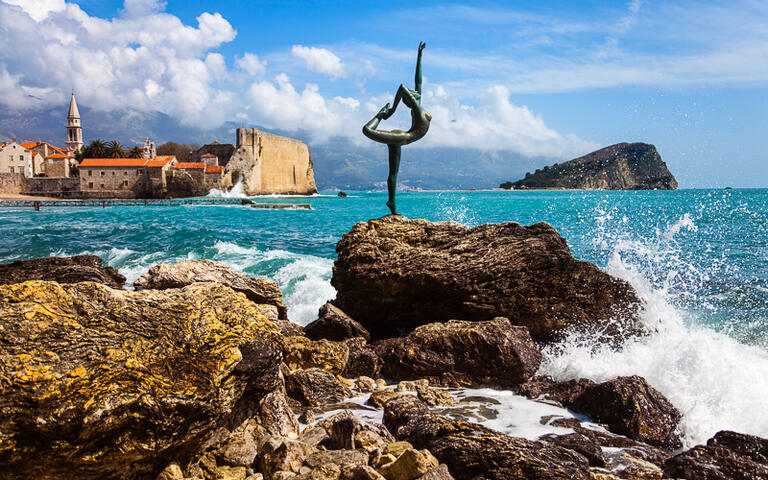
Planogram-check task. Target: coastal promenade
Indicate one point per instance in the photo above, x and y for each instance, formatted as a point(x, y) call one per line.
point(37, 204)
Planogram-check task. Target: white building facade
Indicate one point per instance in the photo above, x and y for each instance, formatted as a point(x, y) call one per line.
point(16, 159)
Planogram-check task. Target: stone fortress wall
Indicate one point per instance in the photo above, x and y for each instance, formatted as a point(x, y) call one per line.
point(271, 164)
point(11, 183)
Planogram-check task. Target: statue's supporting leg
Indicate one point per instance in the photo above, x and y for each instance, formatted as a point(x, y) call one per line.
point(394, 166)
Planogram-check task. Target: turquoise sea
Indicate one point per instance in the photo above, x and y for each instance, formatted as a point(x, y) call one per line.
point(699, 258)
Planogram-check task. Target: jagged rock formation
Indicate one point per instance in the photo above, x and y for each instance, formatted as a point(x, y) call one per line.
point(104, 383)
point(624, 166)
point(269, 164)
point(264, 292)
point(493, 353)
point(394, 274)
point(80, 268)
point(473, 451)
point(727, 455)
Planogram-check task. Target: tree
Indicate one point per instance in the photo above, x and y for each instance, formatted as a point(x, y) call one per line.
point(135, 152)
point(182, 151)
point(115, 150)
point(95, 149)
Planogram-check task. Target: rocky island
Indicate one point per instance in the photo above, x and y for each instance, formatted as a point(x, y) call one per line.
point(199, 374)
point(624, 166)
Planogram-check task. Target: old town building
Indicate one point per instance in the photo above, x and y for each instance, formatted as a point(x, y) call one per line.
point(124, 177)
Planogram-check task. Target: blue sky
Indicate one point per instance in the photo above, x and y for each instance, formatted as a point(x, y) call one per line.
point(534, 79)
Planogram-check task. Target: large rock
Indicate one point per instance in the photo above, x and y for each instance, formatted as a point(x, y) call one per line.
point(726, 456)
point(80, 268)
point(631, 407)
point(394, 274)
point(493, 353)
point(104, 383)
point(303, 353)
point(627, 405)
point(472, 451)
point(176, 275)
point(333, 324)
point(362, 360)
point(315, 387)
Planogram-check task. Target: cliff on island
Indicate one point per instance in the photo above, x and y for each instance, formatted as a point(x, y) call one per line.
point(624, 166)
point(270, 164)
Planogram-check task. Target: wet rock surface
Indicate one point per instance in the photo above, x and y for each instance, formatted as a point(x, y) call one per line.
point(491, 353)
point(631, 407)
point(80, 268)
point(104, 383)
point(627, 405)
point(333, 324)
point(394, 274)
point(315, 386)
point(261, 291)
point(473, 451)
point(727, 455)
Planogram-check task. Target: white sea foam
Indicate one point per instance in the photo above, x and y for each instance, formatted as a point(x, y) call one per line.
point(235, 192)
point(716, 382)
point(304, 279)
point(307, 281)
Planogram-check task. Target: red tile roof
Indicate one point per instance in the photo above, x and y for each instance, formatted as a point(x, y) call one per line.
point(59, 155)
point(189, 165)
point(29, 145)
point(113, 162)
point(208, 155)
point(160, 161)
point(214, 169)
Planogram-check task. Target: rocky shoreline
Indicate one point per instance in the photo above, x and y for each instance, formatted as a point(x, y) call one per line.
point(200, 374)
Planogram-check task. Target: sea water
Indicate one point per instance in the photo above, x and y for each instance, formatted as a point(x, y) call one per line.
point(698, 258)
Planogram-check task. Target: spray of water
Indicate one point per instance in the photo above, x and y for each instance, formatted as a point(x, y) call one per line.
point(714, 380)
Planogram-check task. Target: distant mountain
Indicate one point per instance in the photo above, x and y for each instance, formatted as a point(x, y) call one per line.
point(624, 166)
point(339, 163)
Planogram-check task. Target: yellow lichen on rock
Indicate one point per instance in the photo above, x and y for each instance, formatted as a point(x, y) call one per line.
point(89, 361)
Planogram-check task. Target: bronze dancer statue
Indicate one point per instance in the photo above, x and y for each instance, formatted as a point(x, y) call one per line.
point(394, 139)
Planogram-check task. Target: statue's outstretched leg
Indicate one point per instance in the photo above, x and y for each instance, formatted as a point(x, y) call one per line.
point(394, 166)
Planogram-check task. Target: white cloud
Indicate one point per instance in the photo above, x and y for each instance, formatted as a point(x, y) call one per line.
point(320, 60)
point(38, 9)
point(146, 60)
point(495, 124)
point(251, 64)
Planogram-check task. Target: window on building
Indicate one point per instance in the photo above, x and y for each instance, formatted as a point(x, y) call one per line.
point(90, 184)
point(21, 170)
point(90, 173)
point(103, 173)
point(125, 183)
point(102, 186)
point(125, 173)
point(113, 174)
point(11, 169)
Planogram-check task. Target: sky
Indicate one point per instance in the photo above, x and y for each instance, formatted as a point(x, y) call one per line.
point(550, 80)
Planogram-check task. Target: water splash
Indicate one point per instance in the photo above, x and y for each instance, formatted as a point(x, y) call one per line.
point(715, 381)
point(237, 191)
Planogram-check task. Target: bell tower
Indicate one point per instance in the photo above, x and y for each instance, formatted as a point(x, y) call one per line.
point(74, 128)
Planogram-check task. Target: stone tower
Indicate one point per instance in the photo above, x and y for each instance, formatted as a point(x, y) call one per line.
point(74, 128)
point(148, 150)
